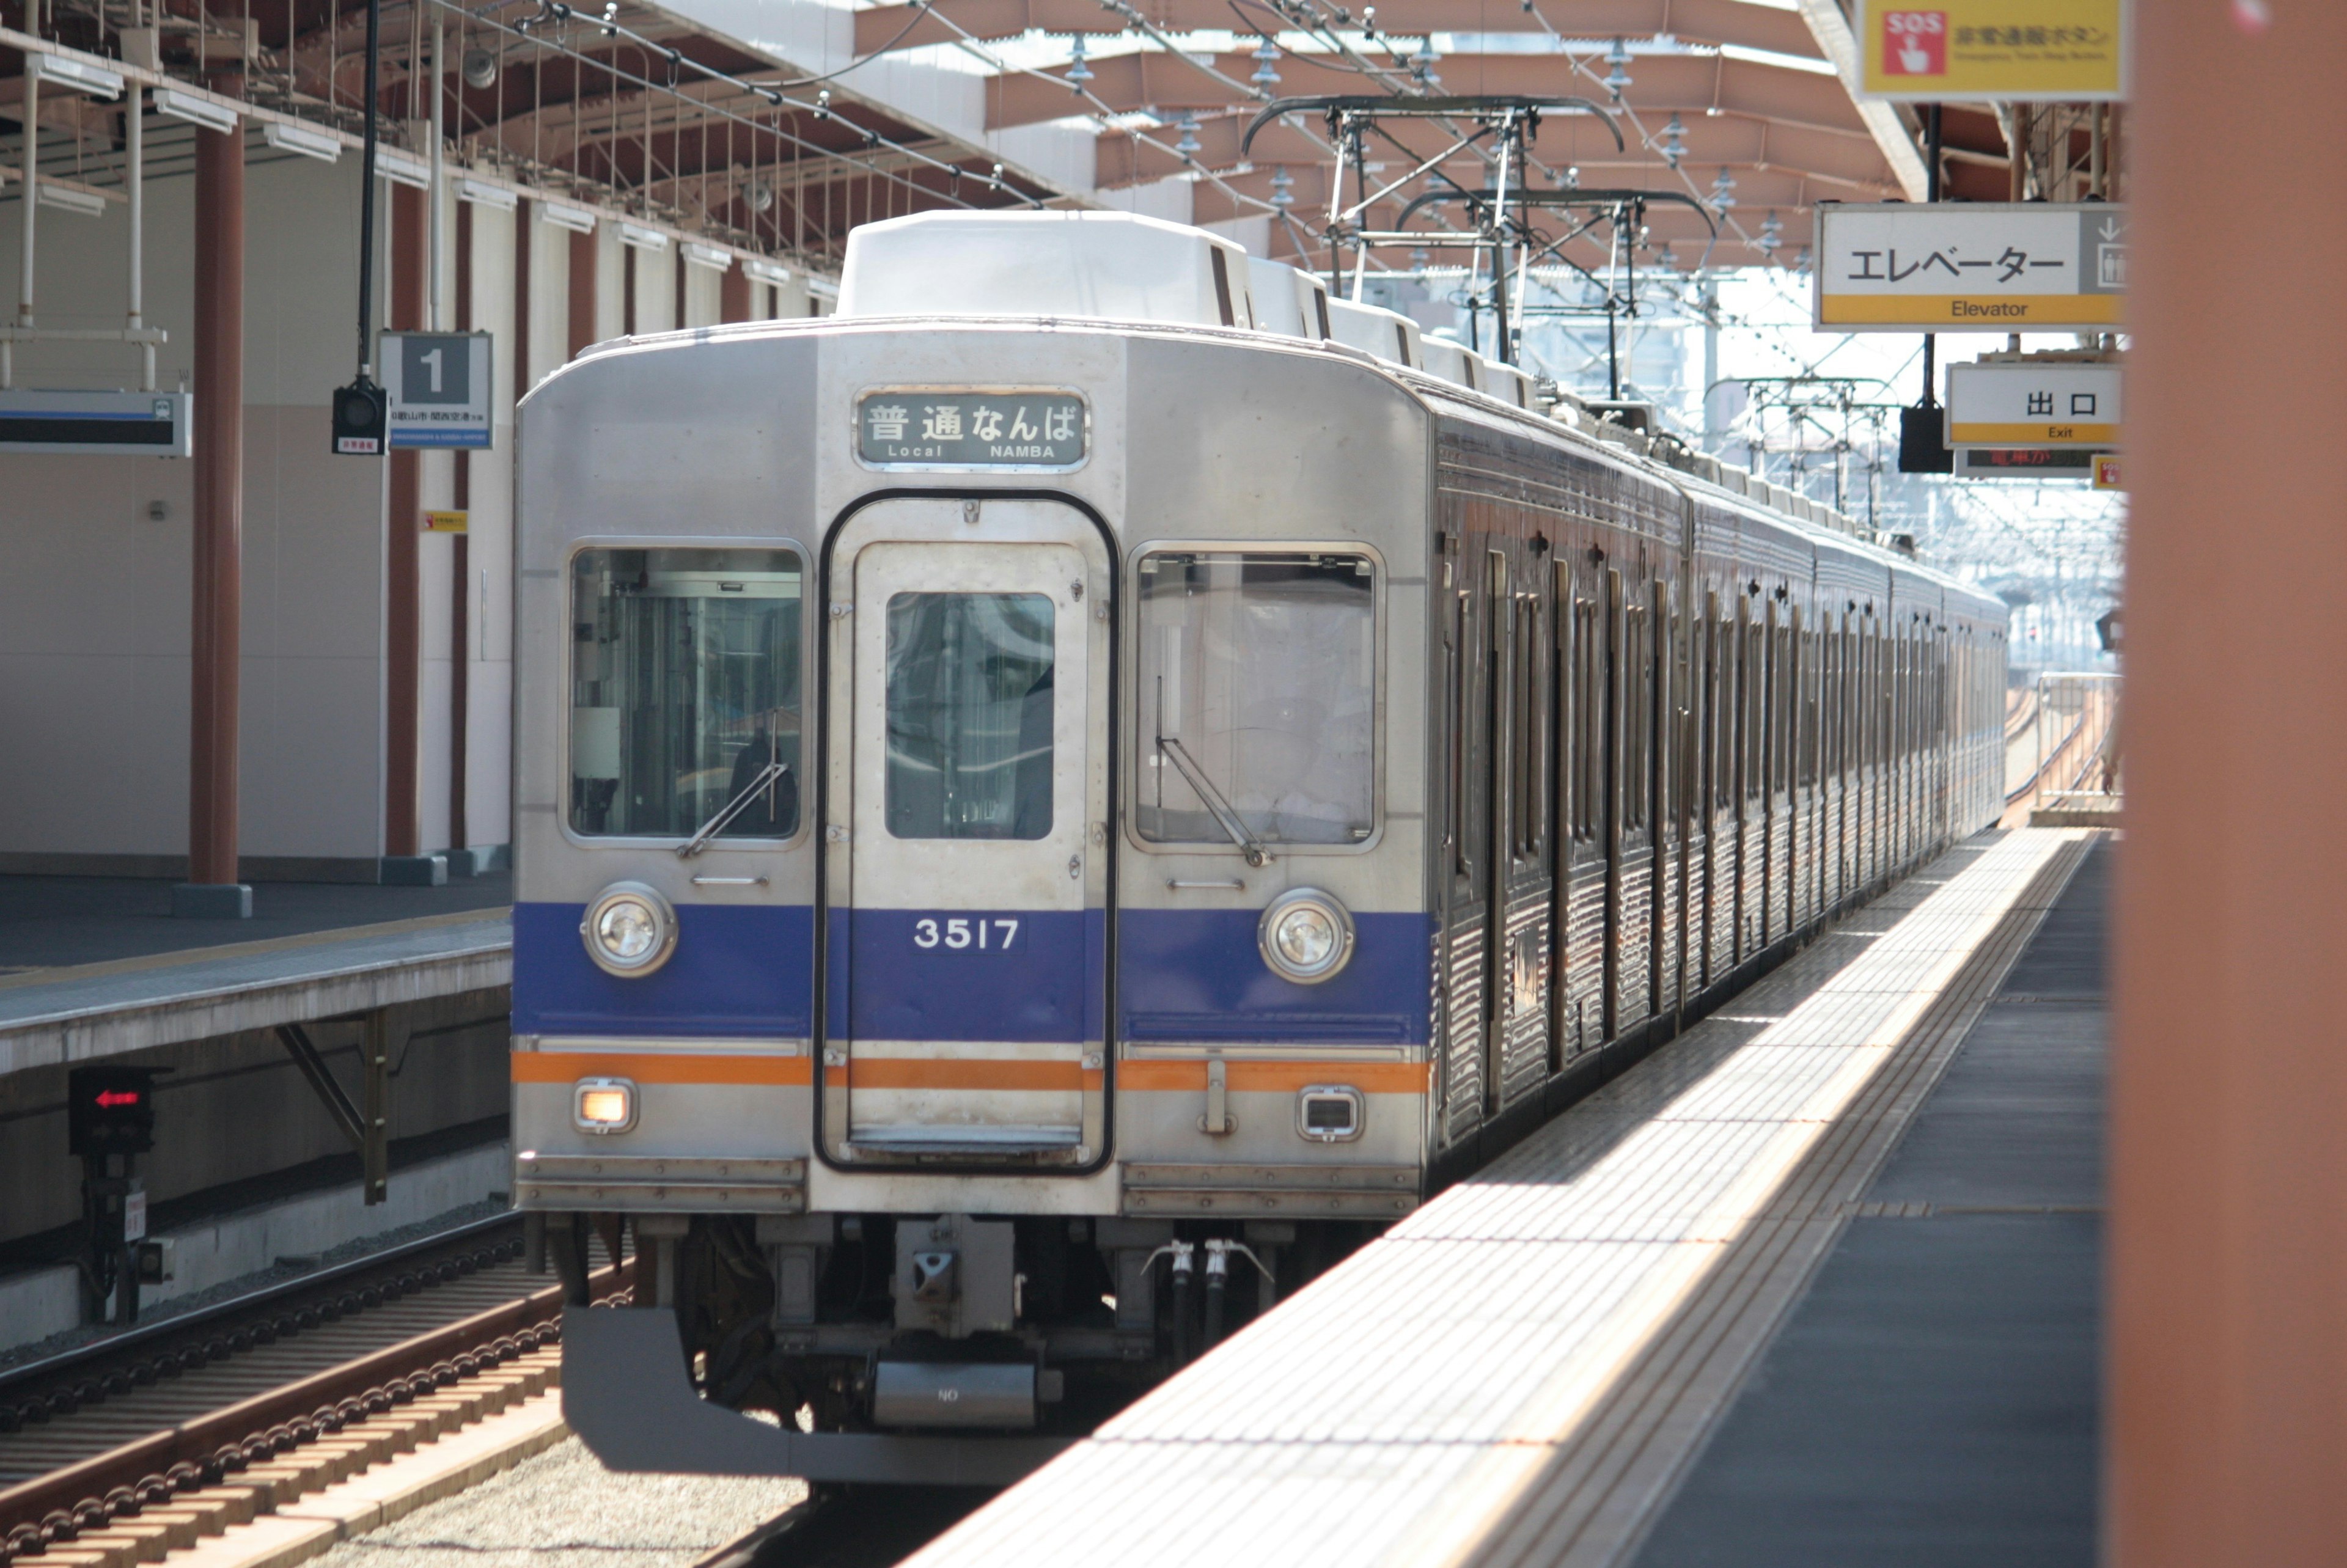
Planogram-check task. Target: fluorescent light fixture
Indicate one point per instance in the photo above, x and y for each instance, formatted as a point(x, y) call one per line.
point(88, 203)
point(286, 137)
point(480, 195)
point(641, 238)
point(95, 81)
point(823, 288)
point(578, 220)
point(194, 110)
point(708, 256)
point(765, 271)
point(402, 169)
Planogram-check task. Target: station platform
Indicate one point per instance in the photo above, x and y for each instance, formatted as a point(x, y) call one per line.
point(1815, 1283)
point(96, 966)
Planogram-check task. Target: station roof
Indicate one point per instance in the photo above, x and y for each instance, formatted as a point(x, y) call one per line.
point(776, 127)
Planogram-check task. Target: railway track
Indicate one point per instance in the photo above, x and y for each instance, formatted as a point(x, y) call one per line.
point(128, 1447)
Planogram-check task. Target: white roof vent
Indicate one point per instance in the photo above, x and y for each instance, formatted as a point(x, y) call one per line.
point(1287, 301)
point(1117, 266)
point(1448, 360)
point(1506, 383)
point(1389, 335)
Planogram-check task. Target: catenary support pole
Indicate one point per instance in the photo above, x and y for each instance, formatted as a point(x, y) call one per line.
point(2226, 1363)
point(213, 889)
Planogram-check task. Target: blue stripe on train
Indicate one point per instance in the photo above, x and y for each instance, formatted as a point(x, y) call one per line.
point(735, 971)
point(1197, 974)
point(1183, 975)
point(1046, 986)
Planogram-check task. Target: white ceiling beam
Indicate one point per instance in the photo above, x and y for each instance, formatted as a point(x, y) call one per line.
point(1835, 40)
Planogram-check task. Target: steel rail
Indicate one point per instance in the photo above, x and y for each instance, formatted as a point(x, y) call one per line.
point(98, 1351)
point(55, 1508)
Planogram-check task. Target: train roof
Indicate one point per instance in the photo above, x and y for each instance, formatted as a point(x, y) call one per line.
point(1127, 272)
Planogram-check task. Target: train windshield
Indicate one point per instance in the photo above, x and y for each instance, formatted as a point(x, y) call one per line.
point(684, 692)
point(1258, 691)
point(970, 715)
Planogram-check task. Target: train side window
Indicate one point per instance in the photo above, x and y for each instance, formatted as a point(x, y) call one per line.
point(1587, 761)
point(1525, 786)
point(1637, 718)
point(684, 692)
point(1258, 694)
point(1755, 710)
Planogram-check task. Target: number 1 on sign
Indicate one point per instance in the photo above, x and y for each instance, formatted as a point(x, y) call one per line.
point(432, 360)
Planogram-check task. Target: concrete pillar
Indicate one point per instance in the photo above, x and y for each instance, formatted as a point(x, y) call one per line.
point(213, 889)
point(403, 860)
point(2227, 1357)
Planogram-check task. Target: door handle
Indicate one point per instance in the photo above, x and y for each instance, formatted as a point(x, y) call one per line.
point(1216, 1121)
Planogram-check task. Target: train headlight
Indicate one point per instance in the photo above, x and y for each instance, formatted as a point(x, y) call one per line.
point(630, 929)
point(1306, 936)
point(603, 1105)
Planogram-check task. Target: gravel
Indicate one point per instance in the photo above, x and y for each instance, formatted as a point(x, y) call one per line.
point(562, 1509)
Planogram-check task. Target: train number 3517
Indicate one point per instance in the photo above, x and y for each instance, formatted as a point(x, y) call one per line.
point(988, 935)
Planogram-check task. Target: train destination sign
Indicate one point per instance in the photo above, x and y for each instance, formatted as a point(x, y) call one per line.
point(980, 428)
point(2012, 51)
point(1970, 266)
point(2041, 404)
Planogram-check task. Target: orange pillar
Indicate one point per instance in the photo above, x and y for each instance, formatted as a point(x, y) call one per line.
point(582, 292)
point(213, 889)
point(402, 826)
point(2228, 1266)
point(733, 295)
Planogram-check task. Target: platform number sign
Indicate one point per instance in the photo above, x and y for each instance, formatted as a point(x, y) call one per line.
point(439, 384)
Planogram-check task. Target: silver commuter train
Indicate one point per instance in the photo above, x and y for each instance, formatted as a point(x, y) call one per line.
point(1053, 801)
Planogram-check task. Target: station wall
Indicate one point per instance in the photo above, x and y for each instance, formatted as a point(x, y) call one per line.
point(95, 609)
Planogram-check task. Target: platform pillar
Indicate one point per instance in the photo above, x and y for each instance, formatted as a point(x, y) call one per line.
point(2227, 1402)
point(213, 889)
point(733, 295)
point(403, 860)
point(582, 292)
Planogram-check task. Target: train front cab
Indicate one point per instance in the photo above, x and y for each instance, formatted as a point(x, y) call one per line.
point(1070, 917)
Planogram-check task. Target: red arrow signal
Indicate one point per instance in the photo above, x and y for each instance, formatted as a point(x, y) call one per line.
point(108, 1099)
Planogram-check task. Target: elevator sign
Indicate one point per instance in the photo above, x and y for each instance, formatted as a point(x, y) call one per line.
point(2034, 403)
point(440, 388)
point(1970, 266)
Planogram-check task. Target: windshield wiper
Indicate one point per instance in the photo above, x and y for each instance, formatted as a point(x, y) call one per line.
point(768, 775)
point(1250, 846)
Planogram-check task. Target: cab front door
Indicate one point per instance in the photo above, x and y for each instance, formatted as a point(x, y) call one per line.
point(966, 862)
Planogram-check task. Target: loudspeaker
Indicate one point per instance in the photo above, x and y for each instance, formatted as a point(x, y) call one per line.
point(1923, 440)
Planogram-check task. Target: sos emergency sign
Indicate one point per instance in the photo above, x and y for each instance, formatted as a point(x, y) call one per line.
point(2068, 51)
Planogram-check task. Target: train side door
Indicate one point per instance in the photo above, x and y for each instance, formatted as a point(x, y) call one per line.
point(966, 742)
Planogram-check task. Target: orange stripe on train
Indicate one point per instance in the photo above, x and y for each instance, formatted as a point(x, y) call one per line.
point(661, 1066)
point(1274, 1077)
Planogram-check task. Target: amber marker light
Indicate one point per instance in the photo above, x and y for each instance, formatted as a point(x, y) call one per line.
point(604, 1105)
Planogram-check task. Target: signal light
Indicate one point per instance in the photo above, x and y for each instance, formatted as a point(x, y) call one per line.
point(110, 1110)
point(362, 419)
